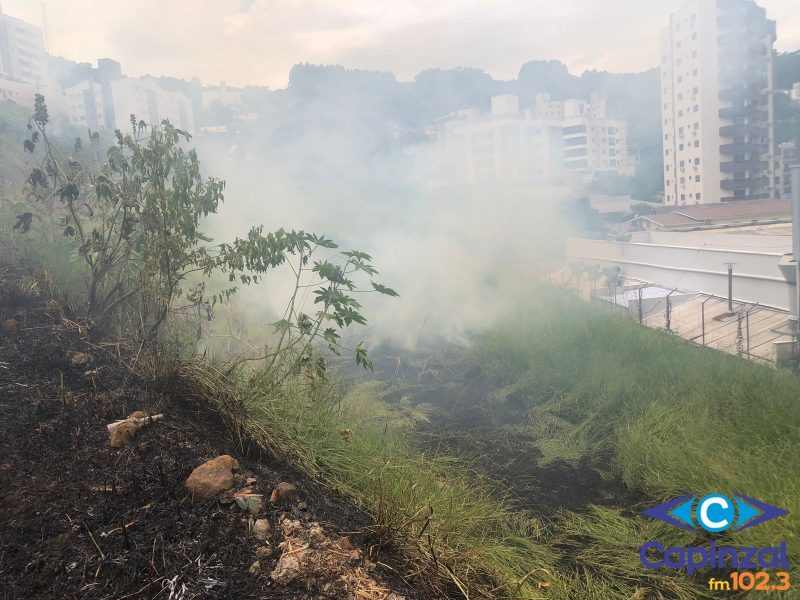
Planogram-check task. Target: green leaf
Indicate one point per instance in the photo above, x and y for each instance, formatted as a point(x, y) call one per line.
point(382, 289)
point(362, 359)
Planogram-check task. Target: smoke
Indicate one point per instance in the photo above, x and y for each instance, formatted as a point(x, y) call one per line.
point(459, 256)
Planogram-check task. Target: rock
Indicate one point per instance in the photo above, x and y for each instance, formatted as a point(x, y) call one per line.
point(355, 555)
point(254, 568)
point(287, 570)
point(250, 481)
point(138, 414)
point(284, 492)
point(248, 501)
point(315, 533)
point(290, 527)
point(264, 552)
point(79, 359)
point(345, 544)
point(10, 326)
point(347, 434)
point(123, 434)
point(212, 477)
point(261, 529)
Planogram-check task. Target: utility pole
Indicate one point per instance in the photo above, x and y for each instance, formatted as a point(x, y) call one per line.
point(796, 239)
point(730, 286)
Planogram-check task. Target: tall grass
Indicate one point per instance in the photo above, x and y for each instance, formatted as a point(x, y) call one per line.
point(675, 418)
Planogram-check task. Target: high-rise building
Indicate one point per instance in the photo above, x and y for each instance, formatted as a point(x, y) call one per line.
point(22, 52)
point(717, 111)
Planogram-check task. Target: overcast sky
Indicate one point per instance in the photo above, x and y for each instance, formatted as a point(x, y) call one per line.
point(257, 41)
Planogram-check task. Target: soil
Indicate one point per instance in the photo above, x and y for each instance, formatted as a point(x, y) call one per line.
point(79, 519)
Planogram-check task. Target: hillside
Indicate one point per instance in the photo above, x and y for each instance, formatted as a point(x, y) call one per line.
point(83, 519)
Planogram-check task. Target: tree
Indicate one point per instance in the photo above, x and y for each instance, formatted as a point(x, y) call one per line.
point(136, 222)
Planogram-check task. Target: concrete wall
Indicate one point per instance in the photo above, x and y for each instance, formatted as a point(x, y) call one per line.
point(757, 276)
point(710, 239)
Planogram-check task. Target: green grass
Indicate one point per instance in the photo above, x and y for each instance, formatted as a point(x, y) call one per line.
point(675, 418)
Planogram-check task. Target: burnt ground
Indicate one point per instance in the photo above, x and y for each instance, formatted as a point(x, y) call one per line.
point(469, 421)
point(79, 519)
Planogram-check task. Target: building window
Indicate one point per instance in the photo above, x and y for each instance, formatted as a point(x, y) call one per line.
point(696, 126)
point(697, 195)
point(694, 36)
point(682, 164)
point(694, 72)
point(680, 147)
point(694, 54)
point(683, 197)
point(680, 113)
point(696, 108)
point(696, 90)
point(697, 178)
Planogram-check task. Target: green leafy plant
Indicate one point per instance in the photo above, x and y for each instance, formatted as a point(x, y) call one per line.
point(136, 223)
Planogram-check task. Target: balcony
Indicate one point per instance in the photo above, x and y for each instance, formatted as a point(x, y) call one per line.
point(737, 130)
point(741, 184)
point(743, 112)
point(743, 165)
point(753, 92)
point(742, 198)
point(745, 148)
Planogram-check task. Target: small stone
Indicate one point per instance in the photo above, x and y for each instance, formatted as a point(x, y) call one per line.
point(316, 534)
point(79, 359)
point(138, 414)
point(212, 477)
point(290, 527)
point(123, 434)
point(264, 552)
point(347, 434)
point(284, 492)
point(10, 326)
point(250, 481)
point(345, 544)
point(287, 570)
point(248, 501)
point(261, 529)
point(254, 568)
point(302, 506)
point(355, 555)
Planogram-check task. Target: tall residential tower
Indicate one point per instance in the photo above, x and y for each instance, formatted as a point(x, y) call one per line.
point(716, 89)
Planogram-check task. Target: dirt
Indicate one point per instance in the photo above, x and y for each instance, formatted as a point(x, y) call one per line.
point(80, 519)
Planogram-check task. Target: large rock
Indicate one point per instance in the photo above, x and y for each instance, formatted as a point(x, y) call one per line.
point(284, 492)
point(212, 477)
point(123, 434)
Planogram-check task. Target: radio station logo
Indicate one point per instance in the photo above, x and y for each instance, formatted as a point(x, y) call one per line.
point(714, 513)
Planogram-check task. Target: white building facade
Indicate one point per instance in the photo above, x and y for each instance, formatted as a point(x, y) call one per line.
point(548, 142)
point(108, 99)
point(22, 52)
point(717, 109)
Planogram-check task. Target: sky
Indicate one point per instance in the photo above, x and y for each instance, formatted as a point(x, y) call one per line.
point(256, 42)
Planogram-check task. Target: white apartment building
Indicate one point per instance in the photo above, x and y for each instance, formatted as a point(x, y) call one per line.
point(108, 100)
point(150, 103)
point(717, 111)
point(593, 143)
point(551, 140)
point(22, 52)
point(508, 145)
